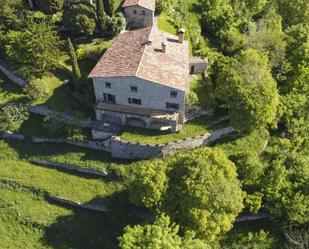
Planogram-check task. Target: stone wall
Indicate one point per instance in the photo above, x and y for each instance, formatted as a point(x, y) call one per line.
point(131, 151)
point(138, 17)
point(15, 79)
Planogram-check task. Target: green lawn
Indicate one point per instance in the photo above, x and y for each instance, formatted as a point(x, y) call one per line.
point(8, 91)
point(29, 220)
point(165, 23)
point(196, 127)
point(196, 85)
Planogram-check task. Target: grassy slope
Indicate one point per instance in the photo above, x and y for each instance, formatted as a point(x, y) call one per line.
point(196, 127)
point(8, 91)
point(29, 220)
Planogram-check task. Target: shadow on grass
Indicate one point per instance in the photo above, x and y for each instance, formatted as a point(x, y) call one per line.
point(87, 229)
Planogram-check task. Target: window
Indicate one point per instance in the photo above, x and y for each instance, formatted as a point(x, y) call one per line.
point(133, 89)
point(108, 85)
point(172, 106)
point(134, 11)
point(143, 12)
point(134, 101)
point(173, 94)
point(109, 98)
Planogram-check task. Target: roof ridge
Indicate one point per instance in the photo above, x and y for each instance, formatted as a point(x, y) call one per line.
point(144, 50)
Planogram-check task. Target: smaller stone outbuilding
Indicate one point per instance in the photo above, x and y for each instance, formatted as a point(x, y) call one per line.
point(139, 13)
point(198, 65)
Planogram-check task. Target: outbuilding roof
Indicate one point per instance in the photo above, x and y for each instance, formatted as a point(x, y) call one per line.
point(148, 4)
point(139, 53)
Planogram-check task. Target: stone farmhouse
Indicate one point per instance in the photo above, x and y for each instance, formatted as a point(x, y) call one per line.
point(143, 78)
point(139, 13)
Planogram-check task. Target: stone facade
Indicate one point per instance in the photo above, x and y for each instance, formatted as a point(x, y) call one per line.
point(198, 65)
point(153, 97)
point(138, 17)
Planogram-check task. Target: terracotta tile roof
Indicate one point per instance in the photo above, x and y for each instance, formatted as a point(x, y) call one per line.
point(148, 4)
point(124, 56)
point(131, 56)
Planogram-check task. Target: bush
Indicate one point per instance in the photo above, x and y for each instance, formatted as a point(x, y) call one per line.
point(12, 116)
point(115, 24)
point(36, 90)
point(80, 18)
point(191, 99)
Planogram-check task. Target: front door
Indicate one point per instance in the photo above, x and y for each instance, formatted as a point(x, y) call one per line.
point(109, 98)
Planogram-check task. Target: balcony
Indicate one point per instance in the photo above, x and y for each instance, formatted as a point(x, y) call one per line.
point(137, 111)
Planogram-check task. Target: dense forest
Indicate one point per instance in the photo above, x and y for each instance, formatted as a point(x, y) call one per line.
point(258, 53)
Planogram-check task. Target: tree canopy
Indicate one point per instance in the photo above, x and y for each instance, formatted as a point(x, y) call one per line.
point(161, 235)
point(199, 190)
point(247, 87)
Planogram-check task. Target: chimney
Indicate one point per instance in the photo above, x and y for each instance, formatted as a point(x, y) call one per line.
point(163, 44)
point(181, 35)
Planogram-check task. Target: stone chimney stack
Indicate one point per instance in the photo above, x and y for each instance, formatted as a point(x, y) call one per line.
point(163, 44)
point(181, 35)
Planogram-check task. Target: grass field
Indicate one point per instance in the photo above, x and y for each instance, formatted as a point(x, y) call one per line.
point(196, 127)
point(29, 220)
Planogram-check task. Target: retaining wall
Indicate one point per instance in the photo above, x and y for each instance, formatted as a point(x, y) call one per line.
point(127, 150)
point(13, 77)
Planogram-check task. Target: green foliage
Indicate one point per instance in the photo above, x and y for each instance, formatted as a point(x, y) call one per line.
point(251, 240)
point(254, 202)
point(37, 48)
point(80, 18)
point(149, 189)
point(298, 45)
point(191, 98)
point(12, 116)
point(161, 235)
point(101, 16)
point(246, 85)
point(49, 6)
point(115, 24)
point(163, 5)
point(36, 90)
point(200, 191)
point(266, 36)
point(76, 75)
point(109, 6)
point(285, 185)
point(294, 107)
point(294, 12)
point(11, 14)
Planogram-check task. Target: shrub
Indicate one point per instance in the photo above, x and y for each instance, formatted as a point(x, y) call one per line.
point(191, 98)
point(36, 90)
point(115, 24)
point(12, 116)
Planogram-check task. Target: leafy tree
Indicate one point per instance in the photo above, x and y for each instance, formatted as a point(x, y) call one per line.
point(101, 16)
point(191, 98)
point(12, 116)
point(109, 6)
point(297, 51)
point(163, 5)
point(266, 36)
point(285, 184)
point(36, 90)
point(75, 68)
point(251, 240)
point(294, 12)
point(49, 6)
point(246, 85)
point(294, 107)
point(199, 190)
point(37, 48)
point(80, 17)
point(11, 14)
point(161, 235)
point(115, 24)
